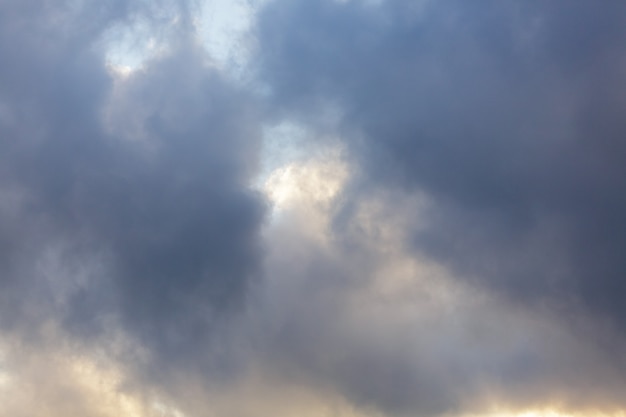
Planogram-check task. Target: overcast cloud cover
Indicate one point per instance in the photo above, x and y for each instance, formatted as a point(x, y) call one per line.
point(312, 208)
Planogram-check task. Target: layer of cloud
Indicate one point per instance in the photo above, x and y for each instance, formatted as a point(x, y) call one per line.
point(400, 334)
point(413, 210)
point(508, 115)
point(508, 118)
point(126, 197)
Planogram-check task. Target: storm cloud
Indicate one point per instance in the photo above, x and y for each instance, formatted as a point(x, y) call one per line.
point(353, 208)
point(509, 115)
point(126, 195)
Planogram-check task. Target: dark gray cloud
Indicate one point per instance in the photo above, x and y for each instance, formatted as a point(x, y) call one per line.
point(125, 198)
point(509, 115)
point(458, 249)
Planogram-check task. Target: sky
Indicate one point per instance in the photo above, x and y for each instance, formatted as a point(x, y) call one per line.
point(312, 208)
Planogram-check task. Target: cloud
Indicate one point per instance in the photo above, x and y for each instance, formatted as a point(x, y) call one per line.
point(356, 311)
point(414, 209)
point(506, 118)
point(126, 198)
point(507, 115)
